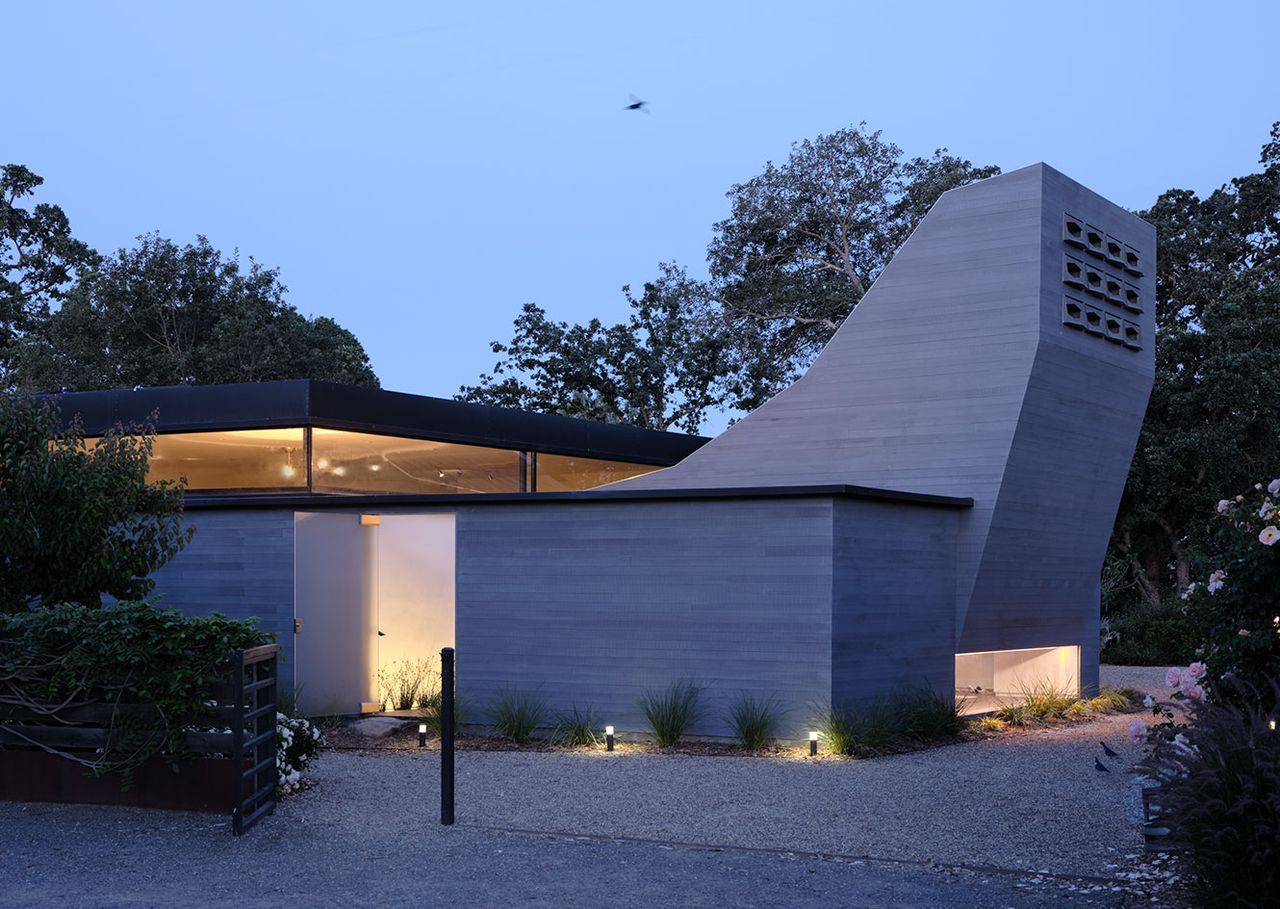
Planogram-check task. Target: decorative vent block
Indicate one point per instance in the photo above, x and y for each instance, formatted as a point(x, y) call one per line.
point(1132, 335)
point(1094, 241)
point(1094, 320)
point(1073, 271)
point(1095, 281)
point(1114, 327)
point(1132, 261)
point(1073, 231)
point(1132, 297)
point(1114, 289)
point(1073, 312)
point(1113, 250)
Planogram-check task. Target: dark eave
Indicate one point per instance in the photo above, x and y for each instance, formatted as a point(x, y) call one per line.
point(303, 402)
point(604, 495)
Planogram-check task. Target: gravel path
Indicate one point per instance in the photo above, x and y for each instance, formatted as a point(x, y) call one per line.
point(367, 834)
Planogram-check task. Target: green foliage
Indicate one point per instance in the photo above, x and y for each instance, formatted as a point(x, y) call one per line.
point(671, 711)
point(160, 314)
point(1221, 798)
point(1146, 634)
point(660, 369)
point(990, 724)
point(38, 259)
point(71, 655)
point(429, 706)
point(77, 523)
point(1236, 606)
point(755, 721)
point(406, 683)
point(1114, 699)
point(517, 715)
point(928, 716)
point(1045, 700)
point(577, 728)
point(802, 243)
point(874, 727)
point(1212, 422)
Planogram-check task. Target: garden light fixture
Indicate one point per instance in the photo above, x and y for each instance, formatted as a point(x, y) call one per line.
point(813, 744)
point(608, 738)
point(422, 735)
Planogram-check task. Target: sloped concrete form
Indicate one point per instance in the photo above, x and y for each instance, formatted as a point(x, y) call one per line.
point(1006, 353)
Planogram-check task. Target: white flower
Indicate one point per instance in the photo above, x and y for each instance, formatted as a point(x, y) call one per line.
point(1137, 732)
point(1148, 702)
point(1190, 590)
point(1223, 505)
point(1215, 580)
point(1269, 535)
point(1267, 509)
point(1274, 487)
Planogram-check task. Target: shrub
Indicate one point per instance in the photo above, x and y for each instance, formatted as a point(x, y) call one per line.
point(429, 707)
point(1151, 635)
point(1114, 699)
point(671, 711)
point(857, 731)
point(1044, 700)
point(755, 721)
point(517, 714)
point(577, 727)
point(405, 683)
point(990, 724)
point(1221, 798)
point(298, 743)
point(928, 716)
point(1016, 715)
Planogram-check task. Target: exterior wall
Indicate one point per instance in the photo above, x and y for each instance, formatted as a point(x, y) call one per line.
point(893, 600)
point(594, 603)
point(239, 563)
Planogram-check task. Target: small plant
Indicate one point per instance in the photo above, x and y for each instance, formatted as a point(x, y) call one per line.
point(857, 731)
point(517, 714)
point(1114, 699)
point(430, 710)
point(990, 724)
point(577, 728)
point(928, 716)
point(1043, 699)
point(671, 711)
point(1016, 715)
point(1080, 708)
point(405, 683)
point(297, 744)
point(755, 721)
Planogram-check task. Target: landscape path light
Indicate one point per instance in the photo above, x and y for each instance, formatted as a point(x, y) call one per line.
point(422, 735)
point(608, 738)
point(813, 744)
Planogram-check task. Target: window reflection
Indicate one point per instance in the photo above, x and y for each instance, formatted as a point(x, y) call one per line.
point(355, 462)
point(557, 473)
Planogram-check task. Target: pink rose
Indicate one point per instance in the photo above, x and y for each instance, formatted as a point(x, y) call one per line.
point(1191, 690)
point(1196, 670)
point(1173, 678)
point(1137, 732)
point(1243, 632)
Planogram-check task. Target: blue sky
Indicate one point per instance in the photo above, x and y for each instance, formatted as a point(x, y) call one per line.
point(419, 171)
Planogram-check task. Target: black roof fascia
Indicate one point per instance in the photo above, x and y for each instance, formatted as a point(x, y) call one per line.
point(304, 402)
point(466, 500)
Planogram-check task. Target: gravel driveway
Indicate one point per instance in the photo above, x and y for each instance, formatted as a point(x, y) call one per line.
point(1020, 821)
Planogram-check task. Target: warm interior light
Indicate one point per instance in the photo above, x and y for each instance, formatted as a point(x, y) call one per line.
point(287, 470)
point(608, 730)
point(339, 471)
point(375, 467)
point(813, 736)
point(323, 463)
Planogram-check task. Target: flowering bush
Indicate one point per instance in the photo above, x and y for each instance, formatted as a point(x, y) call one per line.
point(298, 743)
point(1238, 605)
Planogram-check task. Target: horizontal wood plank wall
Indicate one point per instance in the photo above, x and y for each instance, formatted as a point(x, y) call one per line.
point(592, 604)
point(239, 563)
point(893, 601)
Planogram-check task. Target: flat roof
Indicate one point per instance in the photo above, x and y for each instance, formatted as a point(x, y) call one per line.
point(327, 405)
point(601, 494)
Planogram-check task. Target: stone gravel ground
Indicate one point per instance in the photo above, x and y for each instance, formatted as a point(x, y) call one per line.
point(1020, 820)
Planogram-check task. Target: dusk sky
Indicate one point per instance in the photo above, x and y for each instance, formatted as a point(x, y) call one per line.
point(420, 171)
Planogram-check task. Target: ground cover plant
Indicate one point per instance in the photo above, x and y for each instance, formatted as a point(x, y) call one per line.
point(577, 728)
point(517, 715)
point(671, 711)
point(755, 721)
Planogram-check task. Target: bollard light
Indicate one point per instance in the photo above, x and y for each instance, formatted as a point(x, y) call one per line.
point(608, 738)
point(813, 744)
point(422, 735)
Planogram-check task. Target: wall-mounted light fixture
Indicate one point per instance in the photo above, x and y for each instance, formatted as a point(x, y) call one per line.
point(813, 744)
point(422, 735)
point(608, 738)
point(370, 520)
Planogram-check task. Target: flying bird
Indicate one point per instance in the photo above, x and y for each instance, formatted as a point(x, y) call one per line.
point(1106, 749)
point(1098, 765)
point(637, 104)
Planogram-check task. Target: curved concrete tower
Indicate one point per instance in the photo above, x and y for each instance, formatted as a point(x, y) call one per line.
point(1006, 353)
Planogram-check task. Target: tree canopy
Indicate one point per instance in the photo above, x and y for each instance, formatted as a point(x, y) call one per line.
point(76, 522)
point(803, 241)
point(1213, 420)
